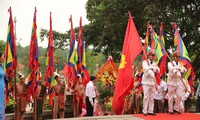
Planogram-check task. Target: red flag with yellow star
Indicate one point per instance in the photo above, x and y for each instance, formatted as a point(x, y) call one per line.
point(131, 48)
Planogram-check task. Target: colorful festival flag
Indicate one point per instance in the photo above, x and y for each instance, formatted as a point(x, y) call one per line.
point(159, 53)
point(70, 69)
point(131, 48)
point(184, 57)
point(33, 64)
point(10, 57)
point(50, 64)
point(81, 63)
point(162, 61)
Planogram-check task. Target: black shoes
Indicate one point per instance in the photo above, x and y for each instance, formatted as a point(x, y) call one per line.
point(145, 114)
point(171, 113)
point(153, 114)
point(177, 112)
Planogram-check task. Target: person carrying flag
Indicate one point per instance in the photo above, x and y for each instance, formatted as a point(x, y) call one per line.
point(59, 98)
point(149, 83)
point(174, 82)
point(80, 96)
point(21, 100)
point(40, 99)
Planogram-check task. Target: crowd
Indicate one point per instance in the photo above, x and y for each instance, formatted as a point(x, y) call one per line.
point(147, 97)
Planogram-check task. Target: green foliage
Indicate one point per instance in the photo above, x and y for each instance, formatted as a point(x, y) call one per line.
point(60, 40)
point(60, 55)
point(10, 106)
point(108, 20)
point(108, 106)
point(103, 92)
point(23, 54)
point(47, 106)
point(2, 45)
point(92, 60)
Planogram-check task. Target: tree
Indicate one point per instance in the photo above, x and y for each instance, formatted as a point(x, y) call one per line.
point(109, 18)
point(2, 45)
point(60, 40)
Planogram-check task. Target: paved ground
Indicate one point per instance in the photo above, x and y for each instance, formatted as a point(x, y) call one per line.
point(113, 117)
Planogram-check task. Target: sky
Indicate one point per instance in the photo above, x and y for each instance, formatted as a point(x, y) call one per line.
point(23, 10)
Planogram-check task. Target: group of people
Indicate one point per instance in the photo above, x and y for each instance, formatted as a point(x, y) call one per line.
point(168, 96)
point(172, 93)
point(40, 98)
point(84, 97)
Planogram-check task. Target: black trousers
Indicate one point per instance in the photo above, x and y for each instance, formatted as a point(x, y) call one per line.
point(198, 105)
point(89, 107)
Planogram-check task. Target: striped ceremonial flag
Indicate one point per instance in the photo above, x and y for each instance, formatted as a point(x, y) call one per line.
point(162, 61)
point(33, 64)
point(179, 45)
point(50, 64)
point(162, 39)
point(81, 63)
point(70, 69)
point(10, 57)
point(158, 48)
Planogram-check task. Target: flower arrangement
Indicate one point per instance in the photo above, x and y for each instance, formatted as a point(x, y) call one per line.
point(106, 84)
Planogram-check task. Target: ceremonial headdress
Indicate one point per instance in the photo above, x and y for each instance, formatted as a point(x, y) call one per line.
point(176, 53)
point(20, 76)
point(79, 75)
point(56, 75)
point(151, 52)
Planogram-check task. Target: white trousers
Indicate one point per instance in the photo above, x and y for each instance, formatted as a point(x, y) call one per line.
point(175, 90)
point(148, 100)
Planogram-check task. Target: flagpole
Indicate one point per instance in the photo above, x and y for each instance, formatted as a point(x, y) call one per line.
point(173, 65)
point(16, 116)
point(169, 59)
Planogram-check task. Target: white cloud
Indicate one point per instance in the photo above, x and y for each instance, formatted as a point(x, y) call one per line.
point(23, 10)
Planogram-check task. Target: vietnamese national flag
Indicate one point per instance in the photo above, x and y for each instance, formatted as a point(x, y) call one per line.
point(131, 48)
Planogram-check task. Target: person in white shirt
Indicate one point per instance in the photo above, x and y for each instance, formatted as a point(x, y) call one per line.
point(174, 83)
point(90, 96)
point(198, 99)
point(159, 97)
point(149, 83)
